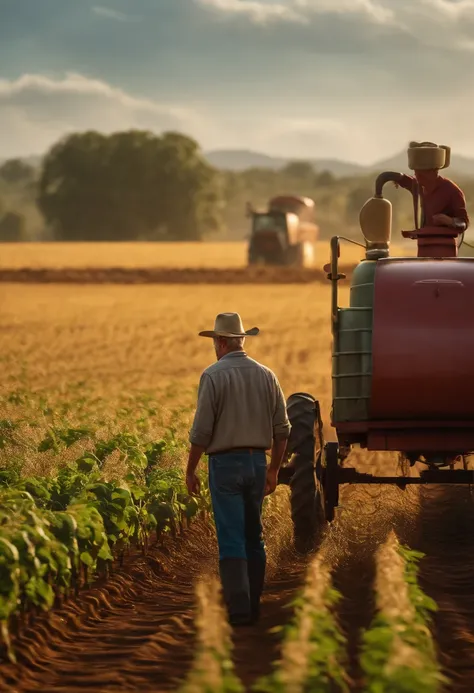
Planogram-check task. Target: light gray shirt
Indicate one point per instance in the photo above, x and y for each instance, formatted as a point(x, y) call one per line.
point(240, 404)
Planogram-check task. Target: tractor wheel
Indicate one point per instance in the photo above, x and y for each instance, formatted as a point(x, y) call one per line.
point(305, 418)
point(329, 483)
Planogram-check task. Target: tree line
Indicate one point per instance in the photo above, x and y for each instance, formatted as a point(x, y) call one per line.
point(136, 185)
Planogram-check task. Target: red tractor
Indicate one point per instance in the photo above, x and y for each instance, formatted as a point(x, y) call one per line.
point(402, 373)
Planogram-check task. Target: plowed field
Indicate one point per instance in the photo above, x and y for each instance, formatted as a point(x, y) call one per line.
point(126, 359)
point(167, 275)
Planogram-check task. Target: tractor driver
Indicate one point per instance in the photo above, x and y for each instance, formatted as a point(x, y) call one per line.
point(442, 201)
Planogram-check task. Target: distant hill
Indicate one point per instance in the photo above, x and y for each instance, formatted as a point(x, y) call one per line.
point(241, 159)
point(460, 165)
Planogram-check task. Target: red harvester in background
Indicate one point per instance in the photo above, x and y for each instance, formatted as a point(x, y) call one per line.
point(284, 234)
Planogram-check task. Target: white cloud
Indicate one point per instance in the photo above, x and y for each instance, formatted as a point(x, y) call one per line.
point(444, 24)
point(372, 10)
point(447, 25)
point(258, 12)
point(109, 13)
point(36, 110)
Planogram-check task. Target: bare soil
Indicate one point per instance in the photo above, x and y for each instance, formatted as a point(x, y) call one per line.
point(439, 522)
point(166, 275)
point(257, 648)
point(136, 632)
point(445, 533)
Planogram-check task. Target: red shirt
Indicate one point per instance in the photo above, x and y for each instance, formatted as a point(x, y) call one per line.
point(445, 198)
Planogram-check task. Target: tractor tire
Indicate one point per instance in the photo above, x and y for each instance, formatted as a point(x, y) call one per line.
point(305, 419)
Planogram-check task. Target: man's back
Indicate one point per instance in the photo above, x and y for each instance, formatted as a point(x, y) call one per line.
point(240, 404)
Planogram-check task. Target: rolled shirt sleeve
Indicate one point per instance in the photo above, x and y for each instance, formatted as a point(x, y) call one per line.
point(406, 182)
point(281, 424)
point(459, 206)
point(204, 418)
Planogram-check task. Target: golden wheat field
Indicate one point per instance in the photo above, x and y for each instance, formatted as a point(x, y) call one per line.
point(130, 255)
point(120, 339)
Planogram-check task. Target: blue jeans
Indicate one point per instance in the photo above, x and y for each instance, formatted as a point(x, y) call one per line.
point(237, 485)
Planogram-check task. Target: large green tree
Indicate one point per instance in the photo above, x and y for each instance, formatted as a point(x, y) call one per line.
point(129, 186)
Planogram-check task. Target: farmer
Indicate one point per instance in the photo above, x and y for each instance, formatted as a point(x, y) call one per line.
point(442, 201)
point(241, 413)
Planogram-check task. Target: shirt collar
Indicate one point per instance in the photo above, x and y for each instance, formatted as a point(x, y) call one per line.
point(439, 181)
point(233, 354)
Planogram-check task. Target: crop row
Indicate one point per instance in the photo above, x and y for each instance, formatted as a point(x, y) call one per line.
point(212, 670)
point(397, 654)
point(59, 533)
point(313, 652)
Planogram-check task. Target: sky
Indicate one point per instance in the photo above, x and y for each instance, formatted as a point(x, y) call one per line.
point(346, 79)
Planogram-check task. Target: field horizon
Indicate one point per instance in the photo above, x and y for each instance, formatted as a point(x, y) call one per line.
point(180, 255)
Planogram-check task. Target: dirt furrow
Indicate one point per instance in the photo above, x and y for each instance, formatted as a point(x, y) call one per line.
point(137, 632)
point(256, 648)
point(363, 522)
point(437, 520)
point(446, 535)
point(134, 633)
point(166, 275)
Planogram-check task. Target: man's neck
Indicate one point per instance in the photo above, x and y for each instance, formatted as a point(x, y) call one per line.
point(233, 352)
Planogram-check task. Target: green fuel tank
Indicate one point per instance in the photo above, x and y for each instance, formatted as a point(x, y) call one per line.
point(352, 350)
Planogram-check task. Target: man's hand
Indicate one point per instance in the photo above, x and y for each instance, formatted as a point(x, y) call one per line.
point(193, 484)
point(278, 453)
point(442, 220)
point(271, 481)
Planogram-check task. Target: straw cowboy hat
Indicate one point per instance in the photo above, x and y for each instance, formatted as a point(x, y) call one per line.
point(428, 156)
point(229, 325)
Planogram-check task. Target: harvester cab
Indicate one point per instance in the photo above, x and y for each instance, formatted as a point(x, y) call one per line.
point(284, 234)
point(403, 362)
point(269, 238)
